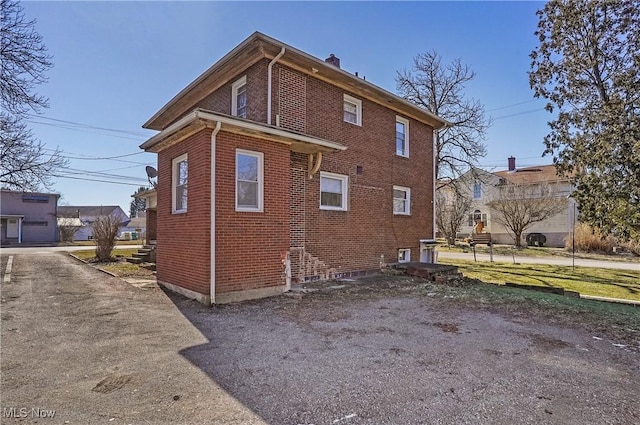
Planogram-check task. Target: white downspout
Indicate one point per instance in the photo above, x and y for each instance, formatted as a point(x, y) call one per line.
point(212, 243)
point(269, 89)
point(20, 229)
point(435, 176)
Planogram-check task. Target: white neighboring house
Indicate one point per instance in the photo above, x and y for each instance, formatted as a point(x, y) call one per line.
point(87, 216)
point(483, 187)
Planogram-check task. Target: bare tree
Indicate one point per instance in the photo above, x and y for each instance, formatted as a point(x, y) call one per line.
point(105, 232)
point(452, 206)
point(439, 88)
point(67, 227)
point(24, 163)
point(519, 206)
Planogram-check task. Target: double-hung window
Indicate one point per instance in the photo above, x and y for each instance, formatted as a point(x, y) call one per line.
point(239, 98)
point(179, 183)
point(402, 137)
point(333, 191)
point(352, 110)
point(477, 190)
point(249, 180)
point(401, 200)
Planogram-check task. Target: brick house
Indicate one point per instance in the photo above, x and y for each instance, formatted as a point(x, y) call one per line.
point(296, 170)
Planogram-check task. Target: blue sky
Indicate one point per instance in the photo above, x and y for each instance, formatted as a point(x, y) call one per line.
point(117, 63)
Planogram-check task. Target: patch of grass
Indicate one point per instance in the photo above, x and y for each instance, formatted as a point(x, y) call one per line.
point(125, 269)
point(532, 251)
point(89, 254)
point(611, 283)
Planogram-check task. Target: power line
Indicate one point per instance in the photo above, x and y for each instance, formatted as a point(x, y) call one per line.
point(95, 180)
point(513, 104)
point(89, 126)
point(519, 113)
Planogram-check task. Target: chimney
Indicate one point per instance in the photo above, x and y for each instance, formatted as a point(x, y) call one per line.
point(333, 60)
point(512, 163)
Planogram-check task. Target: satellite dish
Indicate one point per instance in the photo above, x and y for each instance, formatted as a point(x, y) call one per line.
point(151, 173)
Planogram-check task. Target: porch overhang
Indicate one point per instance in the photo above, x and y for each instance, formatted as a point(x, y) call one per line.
point(200, 119)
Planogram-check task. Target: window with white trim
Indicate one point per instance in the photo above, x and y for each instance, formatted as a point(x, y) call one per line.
point(352, 110)
point(179, 183)
point(239, 98)
point(401, 200)
point(404, 255)
point(333, 191)
point(249, 180)
point(402, 137)
point(477, 190)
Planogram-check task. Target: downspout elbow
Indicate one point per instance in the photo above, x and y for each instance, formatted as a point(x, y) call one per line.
point(269, 83)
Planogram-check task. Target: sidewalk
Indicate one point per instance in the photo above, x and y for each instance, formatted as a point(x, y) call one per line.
point(559, 261)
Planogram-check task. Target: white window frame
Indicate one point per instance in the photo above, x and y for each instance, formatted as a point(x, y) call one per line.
point(358, 105)
point(260, 157)
point(345, 191)
point(406, 255)
point(405, 122)
point(174, 183)
point(242, 81)
point(407, 209)
point(473, 189)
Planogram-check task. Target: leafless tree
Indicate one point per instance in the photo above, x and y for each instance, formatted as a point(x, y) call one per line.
point(519, 206)
point(67, 227)
point(24, 162)
point(452, 206)
point(439, 88)
point(105, 231)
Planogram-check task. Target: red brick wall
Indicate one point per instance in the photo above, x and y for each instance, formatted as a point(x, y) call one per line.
point(220, 100)
point(342, 241)
point(183, 255)
point(249, 245)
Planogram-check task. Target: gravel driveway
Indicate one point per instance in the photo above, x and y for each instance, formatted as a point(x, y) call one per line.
point(381, 351)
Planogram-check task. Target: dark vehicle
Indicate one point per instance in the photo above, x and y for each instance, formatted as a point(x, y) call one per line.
point(536, 239)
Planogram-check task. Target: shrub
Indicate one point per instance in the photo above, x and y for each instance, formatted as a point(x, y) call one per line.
point(105, 232)
point(588, 239)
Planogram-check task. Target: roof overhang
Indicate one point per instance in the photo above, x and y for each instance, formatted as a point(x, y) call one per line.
point(259, 46)
point(199, 119)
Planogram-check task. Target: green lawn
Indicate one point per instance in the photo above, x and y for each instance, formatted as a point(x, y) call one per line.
point(89, 254)
point(611, 283)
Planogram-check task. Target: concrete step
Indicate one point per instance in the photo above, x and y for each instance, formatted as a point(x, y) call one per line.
point(134, 260)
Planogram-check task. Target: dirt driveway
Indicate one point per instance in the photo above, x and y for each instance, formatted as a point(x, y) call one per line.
point(398, 351)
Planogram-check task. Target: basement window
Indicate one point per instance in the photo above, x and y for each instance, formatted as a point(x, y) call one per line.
point(404, 255)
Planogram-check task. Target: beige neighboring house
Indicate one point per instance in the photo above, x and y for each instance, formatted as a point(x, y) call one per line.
point(483, 187)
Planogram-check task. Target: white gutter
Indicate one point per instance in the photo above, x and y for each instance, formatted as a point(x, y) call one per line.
point(269, 83)
point(240, 123)
point(212, 243)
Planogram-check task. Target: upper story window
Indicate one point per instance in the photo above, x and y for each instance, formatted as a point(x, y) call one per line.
point(477, 190)
point(352, 110)
point(402, 137)
point(239, 98)
point(333, 191)
point(39, 199)
point(179, 182)
point(401, 200)
point(249, 180)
